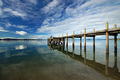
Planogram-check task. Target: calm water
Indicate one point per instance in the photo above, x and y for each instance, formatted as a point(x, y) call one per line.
point(35, 60)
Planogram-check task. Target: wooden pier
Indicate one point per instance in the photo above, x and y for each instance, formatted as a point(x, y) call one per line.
point(108, 32)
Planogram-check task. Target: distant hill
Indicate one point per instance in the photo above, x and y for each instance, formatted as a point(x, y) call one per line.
point(18, 39)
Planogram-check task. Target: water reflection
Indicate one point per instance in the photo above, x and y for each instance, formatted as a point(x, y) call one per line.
point(111, 72)
point(20, 47)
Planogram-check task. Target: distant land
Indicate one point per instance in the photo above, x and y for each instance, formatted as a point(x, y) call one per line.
point(19, 39)
point(41, 39)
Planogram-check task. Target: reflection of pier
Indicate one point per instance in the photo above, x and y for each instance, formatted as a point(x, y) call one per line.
point(103, 69)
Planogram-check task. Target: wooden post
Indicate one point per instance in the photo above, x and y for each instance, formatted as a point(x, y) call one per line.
point(94, 39)
point(107, 39)
point(80, 41)
point(80, 50)
point(115, 37)
point(67, 52)
point(94, 46)
point(93, 54)
point(85, 58)
point(115, 57)
point(73, 38)
point(106, 65)
point(62, 39)
point(58, 41)
point(115, 26)
point(115, 41)
point(80, 44)
point(84, 38)
point(66, 39)
point(73, 51)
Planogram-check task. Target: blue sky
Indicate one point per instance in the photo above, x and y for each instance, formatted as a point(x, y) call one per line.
point(42, 18)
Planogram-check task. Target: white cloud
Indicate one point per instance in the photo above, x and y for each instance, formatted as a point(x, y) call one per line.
point(15, 13)
point(1, 3)
point(20, 26)
point(17, 8)
point(17, 26)
point(8, 24)
point(51, 5)
point(1, 12)
point(38, 36)
point(3, 30)
point(91, 14)
point(33, 1)
point(21, 32)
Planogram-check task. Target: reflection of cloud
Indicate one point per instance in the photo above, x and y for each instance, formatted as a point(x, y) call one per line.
point(43, 50)
point(20, 47)
point(39, 42)
point(3, 49)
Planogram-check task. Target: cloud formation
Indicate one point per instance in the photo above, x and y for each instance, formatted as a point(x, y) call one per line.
point(3, 30)
point(15, 13)
point(91, 14)
point(1, 3)
point(17, 26)
point(50, 6)
point(21, 32)
point(54, 17)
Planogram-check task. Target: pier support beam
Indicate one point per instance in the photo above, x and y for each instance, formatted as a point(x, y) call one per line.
point(115, 41)
point(115, 57)
point(80, 41)
point(66, 39)
point(73, 39)
point(58, 41)
point(94, 39)
point(63, 41)
point(85, 58)
point(106, 65)
point(94, 46)
point(73, 51)
point(107, 39)
point(115, 37)
point(80, 45)
point(84, 38)
point(94, 42)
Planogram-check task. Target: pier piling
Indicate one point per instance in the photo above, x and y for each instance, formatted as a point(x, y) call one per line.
point(84, 38)
point(93, 39)
point(80, 40)
point(107, 38)
point(73, 39)
point(66, 39)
